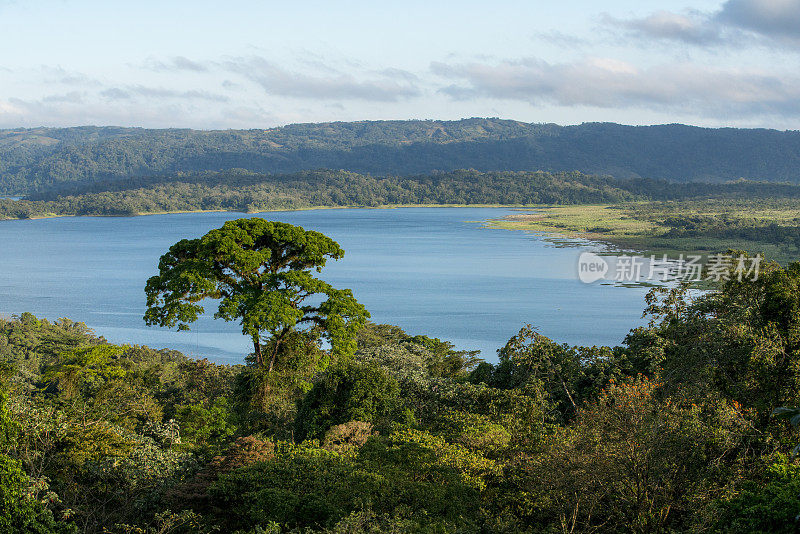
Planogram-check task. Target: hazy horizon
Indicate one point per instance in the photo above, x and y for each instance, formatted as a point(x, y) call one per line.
point(278, 126)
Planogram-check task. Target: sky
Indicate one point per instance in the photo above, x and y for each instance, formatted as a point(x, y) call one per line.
point(261, 64)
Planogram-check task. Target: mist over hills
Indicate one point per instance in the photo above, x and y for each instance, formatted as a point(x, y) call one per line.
point(41, 159)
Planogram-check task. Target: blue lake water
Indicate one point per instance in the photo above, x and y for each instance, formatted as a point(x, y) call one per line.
point(433, 271)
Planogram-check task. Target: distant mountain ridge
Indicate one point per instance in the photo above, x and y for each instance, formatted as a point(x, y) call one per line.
point(42, 159)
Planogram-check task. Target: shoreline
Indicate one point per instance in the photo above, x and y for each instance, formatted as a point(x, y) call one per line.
point(310, 208)
point(570, 222)
point(620, 228)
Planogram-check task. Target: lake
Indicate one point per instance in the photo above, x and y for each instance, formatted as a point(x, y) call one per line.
point(433, 271)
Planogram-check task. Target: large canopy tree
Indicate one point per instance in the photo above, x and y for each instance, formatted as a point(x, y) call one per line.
point(262, 274)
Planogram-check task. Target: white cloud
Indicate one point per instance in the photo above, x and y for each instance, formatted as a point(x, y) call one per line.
point(278, 80)
point(777, 19)
point(73, 97)
point(692, 27)
point(609, 83)
point(736, 23)
point(67, 77)
point(561, 39)
point(159, 93)
point(58, 112)
point(175, 64)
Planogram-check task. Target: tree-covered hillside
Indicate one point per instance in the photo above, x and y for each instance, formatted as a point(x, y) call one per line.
point(38, 159)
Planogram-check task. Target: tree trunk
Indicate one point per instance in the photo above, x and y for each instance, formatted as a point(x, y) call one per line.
point(274, 353)
point(566, 390)
point(278, 339)
point(257, 350)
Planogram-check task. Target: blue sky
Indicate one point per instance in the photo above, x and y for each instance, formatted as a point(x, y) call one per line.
point(248, 64)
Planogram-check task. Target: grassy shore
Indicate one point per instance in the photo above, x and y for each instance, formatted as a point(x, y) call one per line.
point(692, 227)
point(593, 222)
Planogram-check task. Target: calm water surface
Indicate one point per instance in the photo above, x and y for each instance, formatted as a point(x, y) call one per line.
point(432, 271)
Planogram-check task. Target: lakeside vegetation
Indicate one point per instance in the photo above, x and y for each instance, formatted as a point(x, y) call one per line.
point(768, 226)
point(249, 192)
point(669, 432)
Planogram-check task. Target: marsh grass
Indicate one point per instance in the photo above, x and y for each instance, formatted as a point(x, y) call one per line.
point(649, 227)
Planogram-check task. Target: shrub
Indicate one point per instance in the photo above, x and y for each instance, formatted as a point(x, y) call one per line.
point(345, 393)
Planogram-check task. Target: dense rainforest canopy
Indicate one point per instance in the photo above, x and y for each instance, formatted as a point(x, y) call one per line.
point(670, 432)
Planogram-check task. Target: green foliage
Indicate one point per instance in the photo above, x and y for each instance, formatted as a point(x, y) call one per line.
point(670, 432)
point(93, 383)
point(261, 272)
point(206, 428)
point(28, 342)
point(347, 392)
point(185, 522)
point(86, 420)
point(769, 504)
point(432, 455)
point(192, 491)
point(425, 480)
point(8, 427)
point(375, 335)
point(19, 512)
point(300, 487)
point(475, 431)
point(444, 360)
point(633, 459)
point(793, 415)
point(266, 401)
point(347, 436)
point(565, 376)
point(84, 370)
point(741, 341)
point(694, 211)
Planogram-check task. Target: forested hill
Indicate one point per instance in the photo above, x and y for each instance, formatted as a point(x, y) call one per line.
point(43, 158)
